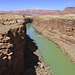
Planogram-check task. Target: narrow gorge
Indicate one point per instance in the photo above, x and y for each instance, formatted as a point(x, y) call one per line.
point(19, 54)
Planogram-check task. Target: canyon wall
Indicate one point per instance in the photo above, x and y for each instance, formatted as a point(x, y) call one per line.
point(19, 54)
point(59, 30)
point(12, 46)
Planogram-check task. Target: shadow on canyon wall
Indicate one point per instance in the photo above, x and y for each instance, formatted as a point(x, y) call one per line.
point(30, 59)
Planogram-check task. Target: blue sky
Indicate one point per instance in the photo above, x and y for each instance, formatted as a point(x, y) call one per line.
point(36, 4)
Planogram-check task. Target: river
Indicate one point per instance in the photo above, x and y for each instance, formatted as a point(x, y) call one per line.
point(52, 55)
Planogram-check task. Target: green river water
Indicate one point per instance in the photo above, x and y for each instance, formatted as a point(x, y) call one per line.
point(52, 55)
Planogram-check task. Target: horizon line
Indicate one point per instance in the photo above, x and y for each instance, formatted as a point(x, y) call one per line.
point(35, 9)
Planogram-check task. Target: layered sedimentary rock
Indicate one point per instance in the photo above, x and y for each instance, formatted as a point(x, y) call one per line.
point(60, 30)
point(12, 46)
point(68, 10)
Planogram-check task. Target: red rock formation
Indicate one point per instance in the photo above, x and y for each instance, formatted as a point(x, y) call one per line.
point(68, 10)
point(33, 12)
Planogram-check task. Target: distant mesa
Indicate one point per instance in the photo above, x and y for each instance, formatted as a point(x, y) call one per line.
point(68, 10)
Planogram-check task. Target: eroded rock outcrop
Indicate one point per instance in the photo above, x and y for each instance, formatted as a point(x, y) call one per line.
point(12, 45)
point(60, 30)
point(19, 54)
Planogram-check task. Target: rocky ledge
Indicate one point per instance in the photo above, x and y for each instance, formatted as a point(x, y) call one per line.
point(12, 45)
point(60, 29)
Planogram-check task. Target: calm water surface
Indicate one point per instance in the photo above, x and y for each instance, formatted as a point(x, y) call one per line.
point(58, 62)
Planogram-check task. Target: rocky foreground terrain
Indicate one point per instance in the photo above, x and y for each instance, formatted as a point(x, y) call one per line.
point(19, 54)
point(60, 29)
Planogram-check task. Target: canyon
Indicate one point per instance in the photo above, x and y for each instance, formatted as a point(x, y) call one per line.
point(59, 29)
point(19, 54)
